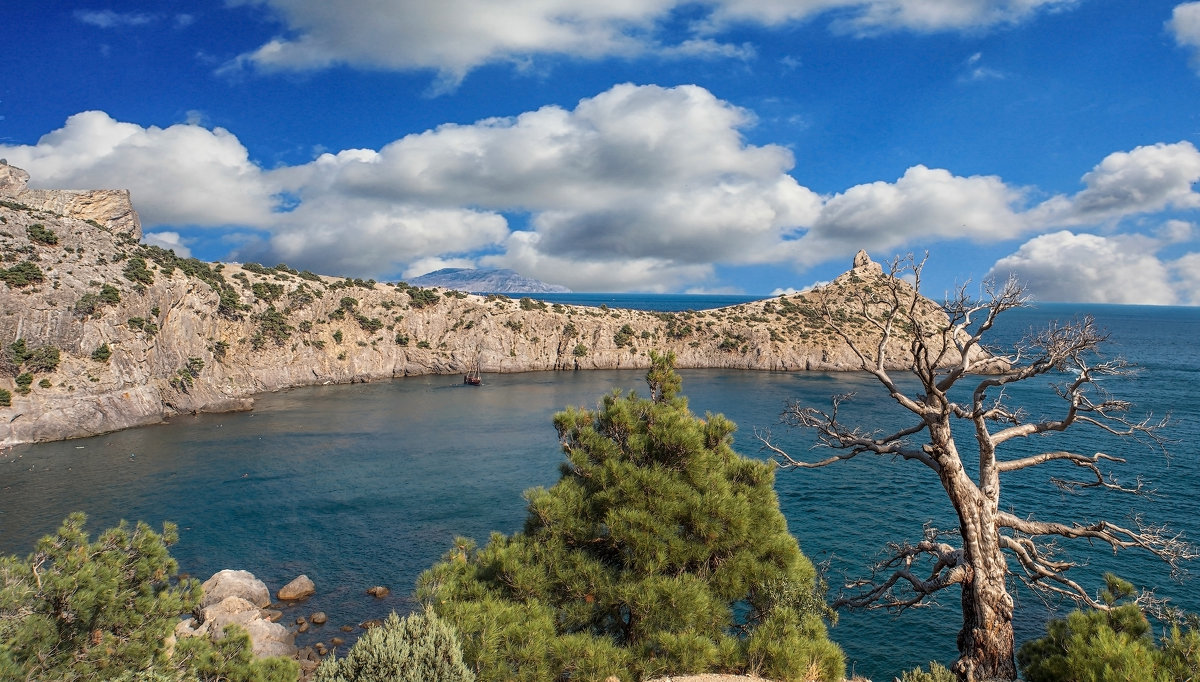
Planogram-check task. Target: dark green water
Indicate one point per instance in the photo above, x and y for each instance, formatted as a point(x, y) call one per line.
point(368, 484)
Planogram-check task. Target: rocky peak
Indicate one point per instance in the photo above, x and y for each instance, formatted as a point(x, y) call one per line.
point(12, 179)
point(863, 262)
point(110, 209)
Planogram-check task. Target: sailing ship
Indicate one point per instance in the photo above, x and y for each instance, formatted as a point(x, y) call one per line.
point(472, 377)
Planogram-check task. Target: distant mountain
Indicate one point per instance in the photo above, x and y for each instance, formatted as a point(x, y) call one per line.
point(486, 280)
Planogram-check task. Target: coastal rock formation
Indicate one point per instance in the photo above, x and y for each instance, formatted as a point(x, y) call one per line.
point(110, 333)
point(236, 598)
point(230, 583)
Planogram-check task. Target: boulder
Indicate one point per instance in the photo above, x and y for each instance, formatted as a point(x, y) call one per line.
point(379, 591)
point(271, 639)
point(300, 588)
point(318, 618)
point(231, 583)
point(230, 611)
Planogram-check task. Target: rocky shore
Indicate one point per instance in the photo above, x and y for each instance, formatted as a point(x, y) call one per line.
point(99, 332)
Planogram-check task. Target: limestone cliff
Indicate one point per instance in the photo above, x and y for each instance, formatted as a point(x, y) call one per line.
point(99, 332)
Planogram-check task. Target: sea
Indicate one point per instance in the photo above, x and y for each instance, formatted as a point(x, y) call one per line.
point(369, 484)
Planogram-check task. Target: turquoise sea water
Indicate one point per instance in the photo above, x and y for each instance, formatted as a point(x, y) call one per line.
point(367, 484)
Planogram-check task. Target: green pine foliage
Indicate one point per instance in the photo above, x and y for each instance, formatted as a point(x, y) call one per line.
point(1113, 644)
point(418, 648)
point(659, 551)
point(77, 609)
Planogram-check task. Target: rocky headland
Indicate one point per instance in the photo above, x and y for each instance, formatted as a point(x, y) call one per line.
point(99, 332)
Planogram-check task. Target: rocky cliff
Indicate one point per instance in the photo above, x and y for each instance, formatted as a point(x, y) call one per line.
point(99, 332)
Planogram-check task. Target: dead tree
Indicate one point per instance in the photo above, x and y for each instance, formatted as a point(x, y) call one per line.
point(946, 348)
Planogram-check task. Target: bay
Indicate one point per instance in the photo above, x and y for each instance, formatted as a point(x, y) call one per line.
point(358, 485)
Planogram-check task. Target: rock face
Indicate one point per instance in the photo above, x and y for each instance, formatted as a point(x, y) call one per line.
point(142, 335)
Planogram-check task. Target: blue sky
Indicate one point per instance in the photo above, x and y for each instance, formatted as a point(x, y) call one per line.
point(741, 146)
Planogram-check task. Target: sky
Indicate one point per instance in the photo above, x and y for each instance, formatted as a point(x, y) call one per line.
point(716, 146)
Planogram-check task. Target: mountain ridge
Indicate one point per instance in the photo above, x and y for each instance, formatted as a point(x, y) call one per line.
point(486, 281)
point(99, 332)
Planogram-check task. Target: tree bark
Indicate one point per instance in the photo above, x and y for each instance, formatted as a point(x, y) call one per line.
point(985, 643)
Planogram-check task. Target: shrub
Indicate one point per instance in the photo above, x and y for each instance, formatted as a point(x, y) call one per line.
point(624, 336)
point(580, 350)
point(419, 648)
point(37, 232)
point(102, 353)
point(43, 359)
point(369, 324)
point(937, 673)
point(22, 274)
point(337, 336)
point(401, 339)
point(24, 383)
point(422, 297)
point(87, 304)
point(530, 304)
point(136, 271)
point(423, 344)
point(5, 397)
point(272, 325)
point(702, 575)
point(109, 295)
point(267, 291)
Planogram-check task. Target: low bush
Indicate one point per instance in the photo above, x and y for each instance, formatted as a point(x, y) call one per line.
point(418, 648)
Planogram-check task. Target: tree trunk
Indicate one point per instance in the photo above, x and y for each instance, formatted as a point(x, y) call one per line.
point(985, 643)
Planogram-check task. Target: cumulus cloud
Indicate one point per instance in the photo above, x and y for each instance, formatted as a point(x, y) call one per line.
point(659, 175)
point(180, 175)
point(1185, 26)
point(170, 240)
point(637, 188)
point(452, 37)
point(1146, 179)
point(1187, 272)
point(924, 204)
point(1088, 268)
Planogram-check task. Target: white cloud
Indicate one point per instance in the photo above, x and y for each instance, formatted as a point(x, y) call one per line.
point(1185, 26)
point(107, 18)
point(168, 240)
point(1187, 272)
point(181, 175)
point(452, 37)
point(924, 205)
point(660, 174)
point(638, 188)
point(364, 237)
point(1146, 179)
point(1087, 268)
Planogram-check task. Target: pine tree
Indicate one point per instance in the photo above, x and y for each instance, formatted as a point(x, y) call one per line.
point(659, 551)
point(82, 610)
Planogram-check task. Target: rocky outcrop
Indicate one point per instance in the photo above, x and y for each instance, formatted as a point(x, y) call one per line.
point(141, 335)
point(237, 598)
point(232, 583)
